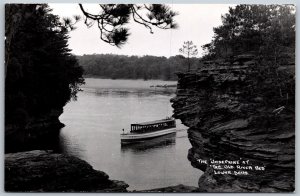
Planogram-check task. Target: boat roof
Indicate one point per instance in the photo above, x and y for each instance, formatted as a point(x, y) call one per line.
point(154, 122)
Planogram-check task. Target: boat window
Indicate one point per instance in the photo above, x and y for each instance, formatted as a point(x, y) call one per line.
point(150, 127)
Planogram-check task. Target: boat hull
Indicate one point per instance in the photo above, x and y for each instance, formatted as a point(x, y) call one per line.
point(132, 137)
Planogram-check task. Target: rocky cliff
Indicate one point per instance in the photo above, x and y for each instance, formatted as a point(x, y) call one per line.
point(42, 171)
point(233, 114)
point(38, 133)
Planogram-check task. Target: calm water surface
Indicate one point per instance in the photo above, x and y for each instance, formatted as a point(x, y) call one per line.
point(94, 123)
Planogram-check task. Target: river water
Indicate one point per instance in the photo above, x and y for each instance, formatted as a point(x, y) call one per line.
point(94, 123)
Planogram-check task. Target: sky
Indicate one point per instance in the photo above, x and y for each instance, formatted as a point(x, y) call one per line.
point(196, 22)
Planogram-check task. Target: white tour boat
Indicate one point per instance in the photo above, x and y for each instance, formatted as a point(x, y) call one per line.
point(149, 130)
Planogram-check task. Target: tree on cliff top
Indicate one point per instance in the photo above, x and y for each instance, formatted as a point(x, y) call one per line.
point(189, 50)
point(112, 18)
point(262, 29)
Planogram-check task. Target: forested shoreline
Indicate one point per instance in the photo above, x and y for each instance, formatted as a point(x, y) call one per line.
point(134, 67)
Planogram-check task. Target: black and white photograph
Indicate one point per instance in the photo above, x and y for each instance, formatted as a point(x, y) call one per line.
point(149, 98)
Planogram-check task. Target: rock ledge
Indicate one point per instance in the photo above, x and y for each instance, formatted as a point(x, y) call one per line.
point(42, 171)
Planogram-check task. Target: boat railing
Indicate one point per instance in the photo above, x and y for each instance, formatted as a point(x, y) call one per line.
point(153, 127)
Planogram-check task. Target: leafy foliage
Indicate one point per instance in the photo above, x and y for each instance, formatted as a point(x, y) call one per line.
point(261, 29)
point(42, 75)
point(113, 17)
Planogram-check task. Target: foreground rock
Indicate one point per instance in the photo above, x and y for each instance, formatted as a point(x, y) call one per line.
point(231, 116)
point(40, 171)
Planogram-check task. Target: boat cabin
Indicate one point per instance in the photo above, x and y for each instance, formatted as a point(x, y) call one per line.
point(153, 126)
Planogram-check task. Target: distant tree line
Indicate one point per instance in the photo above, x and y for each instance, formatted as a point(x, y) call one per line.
point(134, 67)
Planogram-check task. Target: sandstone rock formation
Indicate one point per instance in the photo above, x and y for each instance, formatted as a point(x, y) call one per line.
point(41, 171)
point(233, 117)
point(38, 133)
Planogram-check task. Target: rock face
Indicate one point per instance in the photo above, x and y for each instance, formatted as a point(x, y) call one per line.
point(229, 120)
point(38, 133)
point(41, 171)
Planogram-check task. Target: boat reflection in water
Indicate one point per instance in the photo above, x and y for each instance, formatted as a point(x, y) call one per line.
point(154, 143)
